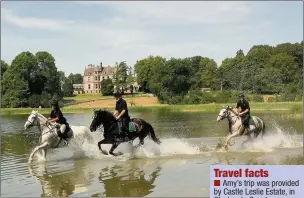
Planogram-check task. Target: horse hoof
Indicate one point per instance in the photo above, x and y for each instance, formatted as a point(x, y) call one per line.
point(103, 152)
point(116, 154)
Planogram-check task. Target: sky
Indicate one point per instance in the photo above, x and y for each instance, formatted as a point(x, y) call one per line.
point(81, 33)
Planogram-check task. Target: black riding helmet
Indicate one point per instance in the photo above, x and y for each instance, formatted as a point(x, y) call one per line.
point(54, 103)
point(241, 95)
point(117, 94)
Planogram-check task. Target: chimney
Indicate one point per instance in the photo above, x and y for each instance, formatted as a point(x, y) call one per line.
point(100, 64)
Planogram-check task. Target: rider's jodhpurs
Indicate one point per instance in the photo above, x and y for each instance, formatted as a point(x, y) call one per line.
point(62, 128)
point(123, 125)
point(245, 119)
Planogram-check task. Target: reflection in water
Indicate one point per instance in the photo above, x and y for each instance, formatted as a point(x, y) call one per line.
point(66, 175)
point(68, 181)
point(128, 180)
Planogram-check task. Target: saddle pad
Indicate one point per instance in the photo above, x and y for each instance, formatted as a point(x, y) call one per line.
point(132, 127)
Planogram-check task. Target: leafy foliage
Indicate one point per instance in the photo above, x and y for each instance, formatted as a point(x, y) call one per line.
point(107, 87)
point(264, 70)
point(31, 81)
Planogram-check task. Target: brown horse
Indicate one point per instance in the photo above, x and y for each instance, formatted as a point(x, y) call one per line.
point(109, 122)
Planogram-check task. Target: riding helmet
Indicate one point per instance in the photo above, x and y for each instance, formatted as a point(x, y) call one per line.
point(54, 102)
point(117, 94)
point(241, 95)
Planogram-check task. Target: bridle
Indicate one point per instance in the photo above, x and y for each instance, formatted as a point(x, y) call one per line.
point(227, 112)
point(111, 124)
point(39, 125)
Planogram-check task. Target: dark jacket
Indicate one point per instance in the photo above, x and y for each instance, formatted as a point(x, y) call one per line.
point(121, 104)
point(58, 113)
point(244, 105)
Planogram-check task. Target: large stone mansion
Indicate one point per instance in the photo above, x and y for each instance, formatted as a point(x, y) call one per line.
point(93, 75)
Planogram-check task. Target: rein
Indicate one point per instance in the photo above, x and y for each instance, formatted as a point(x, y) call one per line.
point(109, 125)
point(39, 125)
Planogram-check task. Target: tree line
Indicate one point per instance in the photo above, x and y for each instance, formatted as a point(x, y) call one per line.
point(32, 80)
point(264, 69)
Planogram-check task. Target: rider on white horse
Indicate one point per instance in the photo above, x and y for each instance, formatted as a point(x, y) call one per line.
point(57, 116)
point(244, 113)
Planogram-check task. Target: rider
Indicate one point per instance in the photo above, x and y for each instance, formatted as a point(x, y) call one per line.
point(57, 116)
point(244, 113)
point(122, 114)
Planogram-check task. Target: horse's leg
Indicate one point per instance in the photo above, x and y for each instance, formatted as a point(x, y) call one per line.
point(249, 139)
point(43, 152)
point(229, 137)
point(114, 146)
point(35, 150)
point(141, 142)
point(104, 141)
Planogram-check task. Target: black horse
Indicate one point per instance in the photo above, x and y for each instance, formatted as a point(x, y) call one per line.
point(109, 122)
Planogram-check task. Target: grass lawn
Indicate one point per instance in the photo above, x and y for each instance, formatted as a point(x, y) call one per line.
point(289, 109)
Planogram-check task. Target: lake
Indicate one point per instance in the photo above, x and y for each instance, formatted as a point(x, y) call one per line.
point(177, 167)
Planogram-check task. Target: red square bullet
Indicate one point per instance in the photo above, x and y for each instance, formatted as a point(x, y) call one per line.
point(217, 182)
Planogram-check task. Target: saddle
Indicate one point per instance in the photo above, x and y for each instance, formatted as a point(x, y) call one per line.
point(134, 125)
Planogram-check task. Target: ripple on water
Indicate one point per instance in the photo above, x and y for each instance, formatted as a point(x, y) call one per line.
point(151, 170)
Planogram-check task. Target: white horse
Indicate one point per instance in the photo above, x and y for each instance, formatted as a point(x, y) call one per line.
point(256, 125)
point(48, 133)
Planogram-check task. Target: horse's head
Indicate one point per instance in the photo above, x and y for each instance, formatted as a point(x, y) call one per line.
point(101, 117)
point(223, 113)
point(31, 120)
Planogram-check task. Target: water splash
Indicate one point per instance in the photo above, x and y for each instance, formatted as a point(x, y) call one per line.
point(150, 149)
point(274, 138)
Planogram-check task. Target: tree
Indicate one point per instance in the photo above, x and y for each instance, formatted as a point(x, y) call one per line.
point(75, 78)
point(49, 73)
point(143, 69)
point(209, 76)
point(19, 81)
point(107, 87)
point(15, 91)
point(254, 63)
point(121, 76)
point(29, 75)
point(4, 66)
point(171, 80)
point(67, 88)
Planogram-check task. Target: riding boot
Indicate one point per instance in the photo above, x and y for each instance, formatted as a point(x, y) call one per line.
point(60, 134)
point(118, 136)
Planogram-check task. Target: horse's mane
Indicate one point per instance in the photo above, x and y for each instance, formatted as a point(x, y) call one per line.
point(107, 114)
point(40, 116)
point(232, 109)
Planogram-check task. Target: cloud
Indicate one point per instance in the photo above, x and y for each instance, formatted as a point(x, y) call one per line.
point(178, 12)
point(35, 23)
point(134, 30)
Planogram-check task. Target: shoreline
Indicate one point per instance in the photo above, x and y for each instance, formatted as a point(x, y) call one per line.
point(289, 108)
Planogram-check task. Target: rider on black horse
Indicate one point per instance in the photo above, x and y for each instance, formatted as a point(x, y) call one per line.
point(122, 115)
point(57, 116)
point(244, 113)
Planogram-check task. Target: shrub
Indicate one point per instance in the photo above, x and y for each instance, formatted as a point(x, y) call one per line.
point(272, 99)
point(193, 97)
point(107, 87)
point(257, 98)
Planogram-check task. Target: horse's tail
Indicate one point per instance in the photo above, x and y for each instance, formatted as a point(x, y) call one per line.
point(153, 136)
point(263, 129)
